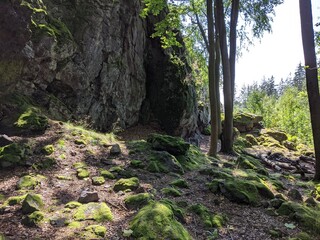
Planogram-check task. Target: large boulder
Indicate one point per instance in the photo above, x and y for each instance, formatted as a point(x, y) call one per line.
point(94, 59)
point(12, 155)
point(246, 122)
point(32, 203)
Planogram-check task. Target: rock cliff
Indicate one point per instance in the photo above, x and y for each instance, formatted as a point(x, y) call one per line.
point(94, 59)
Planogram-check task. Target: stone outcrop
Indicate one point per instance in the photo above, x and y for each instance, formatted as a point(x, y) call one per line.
point(95, 60)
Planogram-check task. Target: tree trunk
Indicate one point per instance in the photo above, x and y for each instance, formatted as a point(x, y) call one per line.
point(227, 139)
point(217, 78)
point(233, 43)
point(212, 82)
point(311, 76)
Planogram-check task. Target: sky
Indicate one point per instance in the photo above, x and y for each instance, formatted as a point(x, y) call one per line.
point(277, 53)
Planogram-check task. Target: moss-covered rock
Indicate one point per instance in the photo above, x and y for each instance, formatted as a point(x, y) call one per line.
point(32, 203)
point(48, 149)
point(163, 162)
point(181, 183)
point(106, 174)
point(63, 177)
point(98, 180)
point(12, 155)
point(172, 145)
point(251, 139)
point(14, 200)
point(245, 122)
point(93, 211)
point(33, 219)
point(27, 182)
point(94, 232)
point(241, 143)
point(169, 191)
point(156, 221)
point(45, 163)
point(82, 173)
point(193, 159)
point(276, 134)
point(79, 165)
point(32, 120)
point(80, 142)
point(244, 191)
point(307, 217)
point(126, 183)
point(209, 220)
point(137, 200)
point(290, 145)
point(137, 164)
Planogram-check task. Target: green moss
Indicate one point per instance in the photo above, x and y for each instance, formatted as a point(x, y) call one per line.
point(82, 173)
point(93, 211)
point(27, 182)
point(79, 165)
point(241, 143)
point(163, 162)
point(32, 203)
point(48, 149)
point(32, 120)
point(126, 183)
point(137, 200)
point(276, 134)
point(251, 139)
point(73, 205)
point(173, 145)
point(107, 174)
point(218, 173)
point(193, 159)
point(302, 236)
point(98, 180)
point(74, 224)
point(116, 169)
point(46, 163)
point(140, 146)
point(14, 200)
point(207, 131)
point(307, 217)
point(156, 221)
point(33, 219)
point(80, 142)
point(96, 231)
point(12, 155)
point(181, 183)
point(169, 191)
point(137, 164)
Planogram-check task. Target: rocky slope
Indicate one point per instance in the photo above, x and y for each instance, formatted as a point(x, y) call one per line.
point(95, 60)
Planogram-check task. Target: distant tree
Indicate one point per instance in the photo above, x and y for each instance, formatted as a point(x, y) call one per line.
point(268, 86)
point(299, 77)
point(308, 42)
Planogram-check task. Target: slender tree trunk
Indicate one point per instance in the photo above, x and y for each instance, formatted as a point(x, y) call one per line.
point(212, 83)
point(311, 76)
point(217, 78)
point(233, 42)
point(227, 139)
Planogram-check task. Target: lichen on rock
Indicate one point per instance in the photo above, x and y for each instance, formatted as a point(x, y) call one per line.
point(93, 211)
point(126, 183)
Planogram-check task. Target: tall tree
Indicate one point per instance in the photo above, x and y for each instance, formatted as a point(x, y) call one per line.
point(311, 76)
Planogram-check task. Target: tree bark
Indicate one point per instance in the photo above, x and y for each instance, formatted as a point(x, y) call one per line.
point(233, 42)
point(227, 139)
point(311, 76)
point(212, 82)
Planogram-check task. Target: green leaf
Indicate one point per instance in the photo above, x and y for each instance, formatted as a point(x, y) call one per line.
point(290, 225)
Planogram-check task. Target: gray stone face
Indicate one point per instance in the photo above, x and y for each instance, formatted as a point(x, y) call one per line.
point(92, 59)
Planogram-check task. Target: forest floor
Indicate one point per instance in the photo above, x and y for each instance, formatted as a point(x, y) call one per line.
point(59, 185)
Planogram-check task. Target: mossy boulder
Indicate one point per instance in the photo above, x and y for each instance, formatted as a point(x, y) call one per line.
point(93, 211)
point(156, 221)
point(245, 122)
point(27, 182)
point(137, 200)
point(276, 134)
point(209, 220)
point(244, 191)
point(14, 200)
point(32, 203)
point(241, 143)
point(163, 162)
point(290, 145)
point(98, 180)
point(12, 155)
point(32, 120)
point(137, 164)
point(106, 174)
point(173, 145)
point(33, 219)
point(193, 159)
point(94, 232)
point(126, 183)
point(307, 217)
